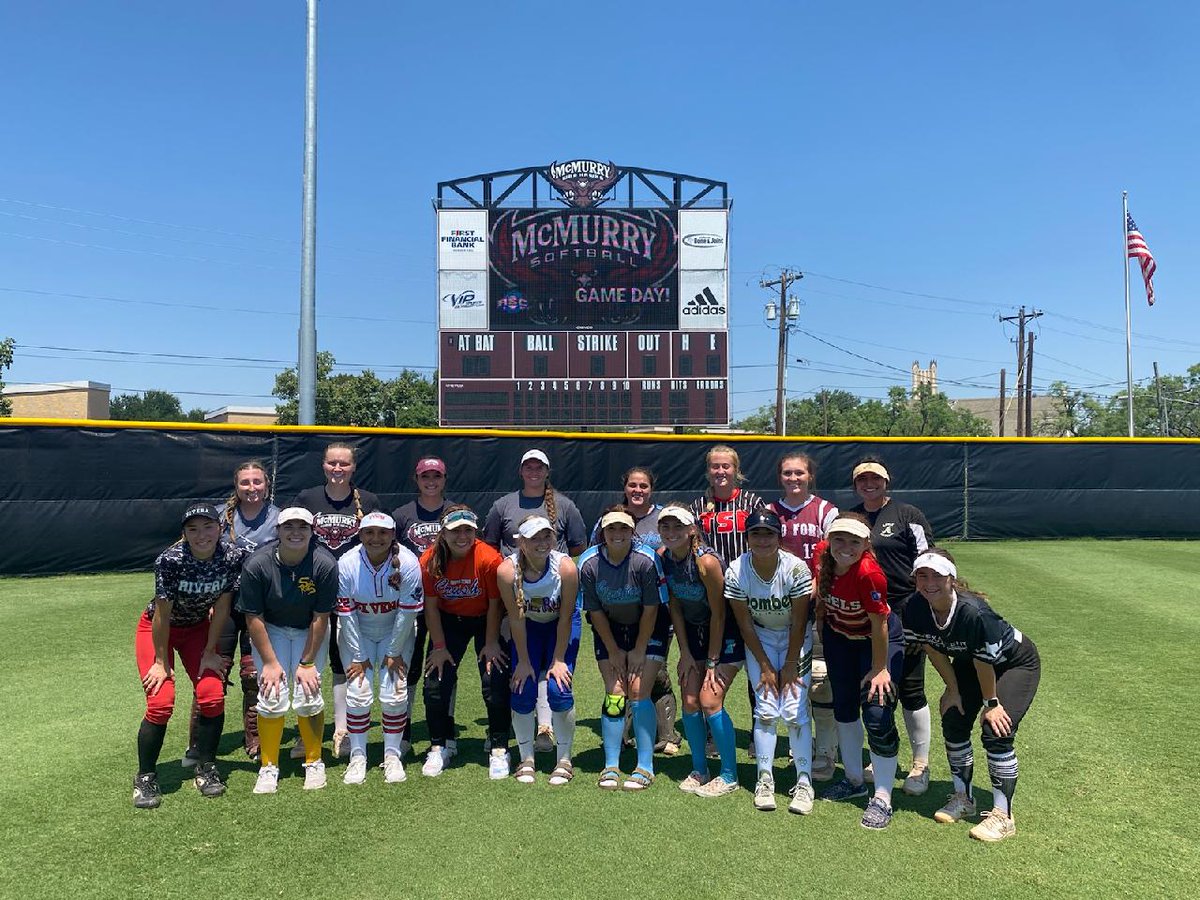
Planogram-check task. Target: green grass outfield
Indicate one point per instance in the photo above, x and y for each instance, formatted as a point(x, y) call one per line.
point(1104, 807)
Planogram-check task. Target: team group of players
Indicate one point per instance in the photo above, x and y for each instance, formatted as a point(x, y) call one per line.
point(832, 614)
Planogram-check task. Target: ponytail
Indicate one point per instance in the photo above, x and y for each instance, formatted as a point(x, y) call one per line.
point(551, 506)
point(519, 581)
point(394, 578)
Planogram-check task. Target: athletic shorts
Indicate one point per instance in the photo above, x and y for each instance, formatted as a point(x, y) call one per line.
point(626, 638)
point(733, 647)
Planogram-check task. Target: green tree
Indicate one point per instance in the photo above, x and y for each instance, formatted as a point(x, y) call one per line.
point(1078, 414)
point(6, 360)
point(407, 401)
point(152, 406)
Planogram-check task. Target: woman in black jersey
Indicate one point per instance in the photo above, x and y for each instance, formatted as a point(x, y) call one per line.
point(337, 506)
point(987, 665)
point(899, 534)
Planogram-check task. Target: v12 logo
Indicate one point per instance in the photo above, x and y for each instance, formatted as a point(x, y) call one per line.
point(704, 303)
point(465, 300)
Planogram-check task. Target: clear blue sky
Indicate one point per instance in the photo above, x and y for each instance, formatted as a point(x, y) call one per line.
point(929, 166)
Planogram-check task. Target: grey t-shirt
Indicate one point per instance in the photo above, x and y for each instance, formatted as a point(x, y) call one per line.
point(621, 591)
point(510, 510)
point(250, 534)
point(288, 596)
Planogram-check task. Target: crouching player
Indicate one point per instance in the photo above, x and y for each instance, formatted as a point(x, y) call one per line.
point(769, 591)
point(287, 593)
point(379, 599)
point(540, 589)
point(986, 664)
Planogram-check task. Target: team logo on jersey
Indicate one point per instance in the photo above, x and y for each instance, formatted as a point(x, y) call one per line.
point(336, 530)
point(306, 586)
point(727, 521)
point(888, 530)
point(992, 650)
point(457, 588)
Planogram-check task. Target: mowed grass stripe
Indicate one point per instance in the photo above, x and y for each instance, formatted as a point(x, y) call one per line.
point(1099, 805)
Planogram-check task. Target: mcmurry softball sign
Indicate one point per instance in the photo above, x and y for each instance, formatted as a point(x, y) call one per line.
point(583, 293)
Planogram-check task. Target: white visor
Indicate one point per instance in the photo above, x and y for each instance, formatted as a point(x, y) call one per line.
point(851, 526)
point(678, 513)
point(937, 562)
point(533, 526)
point(617, 518)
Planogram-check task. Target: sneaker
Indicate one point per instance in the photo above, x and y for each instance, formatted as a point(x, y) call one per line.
point(314, 776)
point(544, 742)
point(996, 826)
point(822, 767)
point(452, 747)
point(268, 780)
point(190, 759)
point(844, 790)
point(719, 787)
point(356, 771)
point(341, 745)
point(393, 769)
point(208, 780)
point(498, 765)
point(917, 781)
point(877, 816)
point(802, 799)
point(693, 783)
point(958, 807)
point(764, 792)
point(435, 761)
point(297, 751)
point(146, 794)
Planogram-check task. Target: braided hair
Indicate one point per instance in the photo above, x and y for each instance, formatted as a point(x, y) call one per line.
point(827, 564)
point(394, 577)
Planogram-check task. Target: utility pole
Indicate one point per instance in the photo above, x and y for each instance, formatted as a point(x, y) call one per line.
point(1163, 428)
point(1029, 388)
point(1022, 375)
point(1002, 373)
point(306, 364)
point(787, 313)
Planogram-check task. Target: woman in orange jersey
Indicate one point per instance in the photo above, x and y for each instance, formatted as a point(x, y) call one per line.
point(462, 604)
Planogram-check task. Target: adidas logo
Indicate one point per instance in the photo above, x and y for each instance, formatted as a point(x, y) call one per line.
point(704, 303)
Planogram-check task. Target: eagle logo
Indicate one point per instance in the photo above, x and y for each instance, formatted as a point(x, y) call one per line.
point(582, 182)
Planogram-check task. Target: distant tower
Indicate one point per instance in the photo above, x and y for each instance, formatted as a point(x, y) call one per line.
point(924, 376)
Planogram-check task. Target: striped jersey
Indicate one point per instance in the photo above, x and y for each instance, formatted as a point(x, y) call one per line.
point(369, 607)
point(770, 602)
point(722, 523)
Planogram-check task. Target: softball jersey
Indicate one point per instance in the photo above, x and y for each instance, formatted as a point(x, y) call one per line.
point(770, 602)
point(194, 585)
point(335, 522)
point(804, 526)
point(723, 522)
point(467, 584)
point(370, 608)
point(854, 595)
point(543, 597)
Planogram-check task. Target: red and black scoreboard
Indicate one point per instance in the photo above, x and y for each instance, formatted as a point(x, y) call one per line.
point(603, 302)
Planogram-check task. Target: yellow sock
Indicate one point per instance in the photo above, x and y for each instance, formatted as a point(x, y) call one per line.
point(270, 735)
point(312, 729)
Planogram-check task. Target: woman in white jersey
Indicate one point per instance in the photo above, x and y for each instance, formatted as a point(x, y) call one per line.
point(769, 591)
point(540, 589)
point(379, 600)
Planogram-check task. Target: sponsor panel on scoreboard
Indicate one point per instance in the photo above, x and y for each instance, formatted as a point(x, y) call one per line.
point(704, 304)
point(462, 238)
point(703, 234)
point(463, 299)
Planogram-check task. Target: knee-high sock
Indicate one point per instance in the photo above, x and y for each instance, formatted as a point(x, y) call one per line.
point(801, 739)
point(764, 744)
point(885, 776)
point(270, 735)
point(644, 724)
point(961, 758)
point(208, 735)
point(339, 705)
point(149, 745)
point(918, 724)
point(697, 737)
point(358, 723)
point(850, 741)
point(563, 722)
point(1002, 767)
point(825, 740)
point(544, 713)
point(721, 727)
point(611, 728)
point(312, 728)
point(524, 725)
point(393, 731)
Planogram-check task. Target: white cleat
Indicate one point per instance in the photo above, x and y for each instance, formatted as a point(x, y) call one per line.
point(393, 769)
point(498, 765)
point(314, 776)
point(356, 770)
point(435, 762)
point(268, 780)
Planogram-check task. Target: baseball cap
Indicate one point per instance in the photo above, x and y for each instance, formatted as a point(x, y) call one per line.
point(617, 517)
point(680, 514)
point(377, 520)
point(430, 464)
point(762, 518)
point(532, 526)
point(937, 562)
point(202, 510)
point(295, 514)
point(850, 526)
point(460, 518)
point(536, 454)
point(872, 468)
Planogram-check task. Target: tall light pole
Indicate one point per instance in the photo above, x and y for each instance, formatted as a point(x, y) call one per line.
point(786, 314)
point(306, 365)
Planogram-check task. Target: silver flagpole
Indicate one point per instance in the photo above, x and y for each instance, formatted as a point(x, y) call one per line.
point(1128, 328)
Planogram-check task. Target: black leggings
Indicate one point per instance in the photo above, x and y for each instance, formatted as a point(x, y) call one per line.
point(912, 678)
point(1016, 684)
point(459, 631)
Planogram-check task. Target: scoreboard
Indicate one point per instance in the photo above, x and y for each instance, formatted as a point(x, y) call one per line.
point(582, 311)
point(584, 378)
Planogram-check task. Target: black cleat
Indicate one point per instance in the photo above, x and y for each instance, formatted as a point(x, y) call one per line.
point(146, 794)
point(208, 780)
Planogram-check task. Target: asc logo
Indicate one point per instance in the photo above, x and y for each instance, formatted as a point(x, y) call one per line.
point(704, 304)
point(464, 300)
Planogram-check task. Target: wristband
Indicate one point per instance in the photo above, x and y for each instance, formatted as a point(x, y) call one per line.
point(441, 646)
point(307, 665)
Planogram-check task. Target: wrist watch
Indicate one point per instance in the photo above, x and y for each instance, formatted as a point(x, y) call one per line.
point(991, 703)
point(711, 663)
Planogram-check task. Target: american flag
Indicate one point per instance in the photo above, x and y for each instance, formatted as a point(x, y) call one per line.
point(1137, 249)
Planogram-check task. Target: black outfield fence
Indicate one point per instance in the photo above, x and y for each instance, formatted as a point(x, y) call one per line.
point(103, 496)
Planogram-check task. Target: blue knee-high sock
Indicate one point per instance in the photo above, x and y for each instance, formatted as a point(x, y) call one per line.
point(611, 729)
point(693, 730)
point(721, 727)
point(645, 724)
